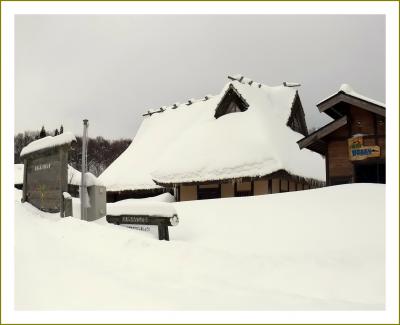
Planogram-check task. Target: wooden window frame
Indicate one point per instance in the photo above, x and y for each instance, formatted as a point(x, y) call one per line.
point(199, 189)
point(248, 193)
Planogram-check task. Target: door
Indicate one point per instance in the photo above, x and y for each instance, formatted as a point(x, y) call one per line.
point(370, 172)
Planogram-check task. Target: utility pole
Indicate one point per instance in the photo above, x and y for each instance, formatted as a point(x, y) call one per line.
point(84, 198)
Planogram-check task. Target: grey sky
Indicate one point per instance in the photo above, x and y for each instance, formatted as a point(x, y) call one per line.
point(110, 68)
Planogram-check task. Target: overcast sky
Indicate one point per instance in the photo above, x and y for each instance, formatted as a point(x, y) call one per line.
point(112, 68)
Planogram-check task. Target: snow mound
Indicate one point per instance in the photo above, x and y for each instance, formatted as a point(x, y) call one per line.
point(288, 251)
point(165, 197)
point(18, 173)
point(75, 177)
point(48, 142)
point(141, 207)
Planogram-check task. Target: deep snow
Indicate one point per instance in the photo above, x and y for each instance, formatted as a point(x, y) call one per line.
point(315, 249)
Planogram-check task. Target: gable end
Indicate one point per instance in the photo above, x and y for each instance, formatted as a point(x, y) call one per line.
point(231, 102)
point(297, 120)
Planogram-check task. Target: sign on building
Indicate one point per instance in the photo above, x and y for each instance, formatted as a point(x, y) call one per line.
point(357, 150)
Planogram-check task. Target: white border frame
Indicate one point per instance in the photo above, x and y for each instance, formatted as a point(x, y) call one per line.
point(390, 9)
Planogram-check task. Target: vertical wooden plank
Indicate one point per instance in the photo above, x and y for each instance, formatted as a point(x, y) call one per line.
point(327, 167)
point(375, 129)
point(252, 187)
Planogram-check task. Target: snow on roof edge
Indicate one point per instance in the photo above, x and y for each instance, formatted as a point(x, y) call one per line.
point(348, 90)
point(232, 179)
point(48, 142)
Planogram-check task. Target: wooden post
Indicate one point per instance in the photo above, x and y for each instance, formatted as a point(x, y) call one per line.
point(163, 233)
point(68, 211)
point(23, 199)
point(166, 233)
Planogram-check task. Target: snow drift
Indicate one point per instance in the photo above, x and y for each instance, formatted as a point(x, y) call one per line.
point(319, 249)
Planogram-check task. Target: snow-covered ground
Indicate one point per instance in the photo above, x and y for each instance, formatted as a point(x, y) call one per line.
point(313, 250)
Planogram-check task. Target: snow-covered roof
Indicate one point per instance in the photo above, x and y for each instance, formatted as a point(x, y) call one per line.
point(189, 144)
point(348, 90)
point(48, 142)
point(74, 178)
point(18, 173)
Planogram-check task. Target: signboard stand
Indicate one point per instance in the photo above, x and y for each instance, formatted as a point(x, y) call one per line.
point(161, 222)
point(83, 194)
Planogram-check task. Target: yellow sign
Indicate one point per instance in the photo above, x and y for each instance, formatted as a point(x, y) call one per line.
point(357, 150)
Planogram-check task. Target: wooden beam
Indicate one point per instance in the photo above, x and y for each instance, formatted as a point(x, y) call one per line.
point(322, 132)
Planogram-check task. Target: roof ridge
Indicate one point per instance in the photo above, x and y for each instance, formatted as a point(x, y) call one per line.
point(189, 102)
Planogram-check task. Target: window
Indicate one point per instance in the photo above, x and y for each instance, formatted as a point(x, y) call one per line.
point(244, 189)
point(210, 191)
point(231, 102)
point(232, 108)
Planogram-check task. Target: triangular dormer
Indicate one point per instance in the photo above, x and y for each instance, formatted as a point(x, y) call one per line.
point(231, 102)
point(297, 121)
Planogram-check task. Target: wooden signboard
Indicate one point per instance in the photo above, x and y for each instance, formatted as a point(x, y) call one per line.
point(357, 150)
point(45, 178)
point(148, 220)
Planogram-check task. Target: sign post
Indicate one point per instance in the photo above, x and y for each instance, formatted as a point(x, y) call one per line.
point(84, 197)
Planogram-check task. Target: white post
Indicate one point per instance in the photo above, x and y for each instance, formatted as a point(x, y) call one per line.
point(83, 175)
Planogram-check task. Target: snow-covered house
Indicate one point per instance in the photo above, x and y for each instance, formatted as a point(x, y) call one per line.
point(240, 142)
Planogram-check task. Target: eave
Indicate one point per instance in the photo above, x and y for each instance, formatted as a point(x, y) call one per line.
point(329, 106)
point(315, 141)
point(277, 174)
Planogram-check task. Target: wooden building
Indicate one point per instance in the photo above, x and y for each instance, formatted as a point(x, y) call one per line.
point(354, 142)
point(278, 182)
point(240, 142)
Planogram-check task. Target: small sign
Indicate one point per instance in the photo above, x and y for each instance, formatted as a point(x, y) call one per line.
point(41, 167)
point(137, 227)
point(135, 220)
point(357, 150)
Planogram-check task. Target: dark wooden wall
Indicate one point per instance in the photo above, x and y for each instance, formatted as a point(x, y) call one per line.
point(339, 166)
point(45, 178)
